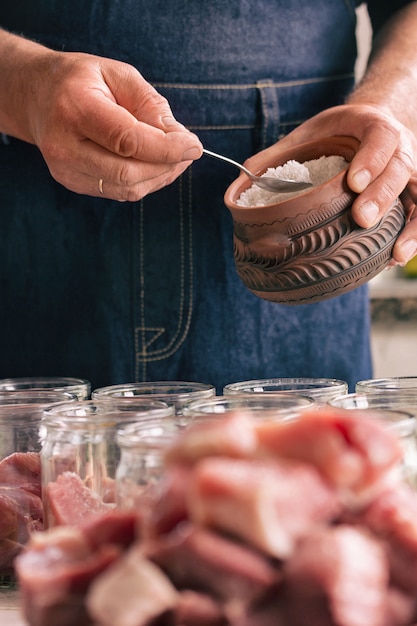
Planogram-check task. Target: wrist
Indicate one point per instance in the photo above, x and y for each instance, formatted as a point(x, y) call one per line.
point(22, 64)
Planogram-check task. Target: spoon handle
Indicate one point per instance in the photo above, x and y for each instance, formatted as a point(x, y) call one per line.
point(223, 158)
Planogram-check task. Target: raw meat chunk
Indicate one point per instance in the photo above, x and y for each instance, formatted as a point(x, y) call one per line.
point(69, 501)
point(198, 608)
point(392, 516)
point(352, 450)
point(21, 510)
point(201, 560)
point(22, 470)
point(337, 576)
point(269, 504)
point(120, 528)
point(234, 437)
point(55, 574)
point(133, 592)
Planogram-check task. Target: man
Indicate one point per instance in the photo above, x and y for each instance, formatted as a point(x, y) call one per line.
point(148, 290)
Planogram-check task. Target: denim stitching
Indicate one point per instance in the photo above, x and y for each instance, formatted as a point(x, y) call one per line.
point(265, 115)
point(280, 84)
point(221, 127)
point(141, 355)
point(141, 342)
point(242, 126)
point(140, 330)
point(266, 101)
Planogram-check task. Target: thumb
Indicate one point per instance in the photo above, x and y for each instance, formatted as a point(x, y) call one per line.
point(128, 117)
point(141, 99)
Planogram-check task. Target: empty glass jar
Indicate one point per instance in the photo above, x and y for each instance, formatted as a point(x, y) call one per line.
point(321, 390)
point(79, 387)
point(265, 406)
point(173, 392)
point(407, 384)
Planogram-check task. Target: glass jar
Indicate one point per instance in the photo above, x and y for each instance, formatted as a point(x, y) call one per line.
point(79, 387)
point(407, 384)
point(321, 390)
point(20, 419)
point(265, 406)
point(21, 509)
point(173, 392)
point(142, 448)
point(80, 455)
point(398, 411)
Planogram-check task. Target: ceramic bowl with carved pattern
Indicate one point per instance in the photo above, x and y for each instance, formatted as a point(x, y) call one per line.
point(308, 248)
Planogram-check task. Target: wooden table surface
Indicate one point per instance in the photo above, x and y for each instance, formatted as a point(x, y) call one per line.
point(10, 608)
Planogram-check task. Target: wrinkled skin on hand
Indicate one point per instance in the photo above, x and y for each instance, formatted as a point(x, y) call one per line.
point(95, 118)
point(384, 166)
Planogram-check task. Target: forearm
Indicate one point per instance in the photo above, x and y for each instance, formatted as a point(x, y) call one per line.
point(390, 81)
point(18, 58)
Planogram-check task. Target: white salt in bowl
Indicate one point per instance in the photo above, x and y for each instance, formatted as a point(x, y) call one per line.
point(305, 247)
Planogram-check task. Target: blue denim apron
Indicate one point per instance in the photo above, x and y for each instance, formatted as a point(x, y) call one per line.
point(148, 290)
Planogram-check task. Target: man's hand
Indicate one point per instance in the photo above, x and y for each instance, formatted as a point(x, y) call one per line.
point(381, 169)
point(101, 128)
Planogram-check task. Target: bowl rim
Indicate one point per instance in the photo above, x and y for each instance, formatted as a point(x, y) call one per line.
point(279, 157)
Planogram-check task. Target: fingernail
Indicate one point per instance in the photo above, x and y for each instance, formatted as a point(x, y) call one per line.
point(361, 180)
point(408, 249)
point(190, 154)
point(170, 122)
point(370, 212)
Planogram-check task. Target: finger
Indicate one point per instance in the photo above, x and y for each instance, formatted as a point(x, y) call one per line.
point(405, 247)
point(370, 206)
point(137, 191)
point(139, 97)
point(119, 132)
point(98, 187)
point(87, 158)
point(378, 144)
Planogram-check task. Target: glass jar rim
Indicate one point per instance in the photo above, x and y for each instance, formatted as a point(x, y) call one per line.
point(171, 389)
point(281, 403)
point(91, 413)
point(403, 383)
point(312, 386)
point(81, 387)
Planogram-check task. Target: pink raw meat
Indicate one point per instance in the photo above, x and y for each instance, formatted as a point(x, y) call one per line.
point(392, 516)
point(298, 523)
point(71, 502)
point(269, 504)
point(214, 436)
point(133, 592)
point(22, 470)
point(337, 576)
point(199, 559)
point(21, 513)
point(349, 448)
point(55, 574)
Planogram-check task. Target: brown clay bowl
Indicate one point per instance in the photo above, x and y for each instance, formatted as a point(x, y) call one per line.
point(308, 248)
